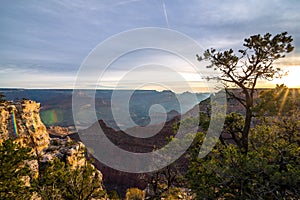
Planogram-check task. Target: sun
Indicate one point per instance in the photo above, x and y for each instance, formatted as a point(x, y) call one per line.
point(292, 80)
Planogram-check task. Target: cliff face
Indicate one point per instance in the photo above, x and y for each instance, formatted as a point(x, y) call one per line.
point(66, 149)
point(22, 121)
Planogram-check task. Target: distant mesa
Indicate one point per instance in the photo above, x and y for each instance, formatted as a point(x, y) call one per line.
point(56, 109)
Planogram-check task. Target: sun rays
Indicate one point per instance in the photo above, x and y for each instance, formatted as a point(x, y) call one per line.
point(292, 79)
point(286, 97)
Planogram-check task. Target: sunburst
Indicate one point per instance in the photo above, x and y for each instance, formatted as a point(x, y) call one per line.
point(284, 98)
point(285, 93)
point(292, 80)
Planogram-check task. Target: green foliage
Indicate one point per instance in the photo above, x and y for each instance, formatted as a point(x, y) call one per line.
point(56, 180)
point(14, 170)
point(270, 172)
point(113, 195)
point(270, 169)
point(164, 179)
point(135, 194)
point(83, 183)
point(193, 151)
point(172, 176)
point(51, 181)
point(191, 122)
point(233, 129)
point(278, 101)
point(204, 121)
point(172, 193)
point(59, 181)
point(243, 70)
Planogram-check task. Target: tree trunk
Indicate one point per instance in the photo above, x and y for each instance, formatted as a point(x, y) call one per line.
point(246, 129)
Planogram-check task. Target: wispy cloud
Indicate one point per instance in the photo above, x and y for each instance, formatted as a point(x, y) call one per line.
point(52, 38)
point(165, 13)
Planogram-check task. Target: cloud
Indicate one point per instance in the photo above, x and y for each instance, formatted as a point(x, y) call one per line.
point(46, 38)
point(12, 77)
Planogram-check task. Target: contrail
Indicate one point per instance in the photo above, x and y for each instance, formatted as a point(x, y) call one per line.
point(120, 3)
point(125, 2)
point(165, 12)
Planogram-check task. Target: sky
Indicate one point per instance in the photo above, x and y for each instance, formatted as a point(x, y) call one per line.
point(45, 43)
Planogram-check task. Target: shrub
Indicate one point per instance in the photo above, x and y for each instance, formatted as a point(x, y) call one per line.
point(135, 194)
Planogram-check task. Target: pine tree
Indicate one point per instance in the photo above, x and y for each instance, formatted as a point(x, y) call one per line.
point(244, 69)
point(59, 181)
point(14, 171)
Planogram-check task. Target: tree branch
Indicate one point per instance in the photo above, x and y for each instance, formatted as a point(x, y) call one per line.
point(240, 100)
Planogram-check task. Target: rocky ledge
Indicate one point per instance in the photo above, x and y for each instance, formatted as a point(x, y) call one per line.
point(21, 121)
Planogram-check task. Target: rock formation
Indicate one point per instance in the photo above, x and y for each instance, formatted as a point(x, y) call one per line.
point(22, 121)
point(66, 149)
point(58, 131)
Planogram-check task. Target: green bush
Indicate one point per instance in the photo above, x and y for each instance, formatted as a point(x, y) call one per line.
point(14, 170)
point(270, 170)
point(113, 195)
point(135, 194)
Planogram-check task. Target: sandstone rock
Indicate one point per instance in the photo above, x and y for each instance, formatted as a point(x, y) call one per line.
point(34, 168)
point(21, 120)
point(73, 153)
point(58, 131)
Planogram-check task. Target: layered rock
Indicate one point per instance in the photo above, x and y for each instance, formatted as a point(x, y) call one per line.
point(22, 121)
point(58, 131)
point(66, 149)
